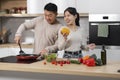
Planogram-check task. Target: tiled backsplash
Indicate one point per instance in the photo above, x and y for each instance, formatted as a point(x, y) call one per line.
point(12, 24)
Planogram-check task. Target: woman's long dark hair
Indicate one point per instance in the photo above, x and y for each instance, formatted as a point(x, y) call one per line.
point(74, 12)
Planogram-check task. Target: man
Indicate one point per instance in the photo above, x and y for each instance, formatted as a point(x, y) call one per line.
point(45, 30)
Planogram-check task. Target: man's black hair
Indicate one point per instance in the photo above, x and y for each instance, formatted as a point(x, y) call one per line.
point(51, 7)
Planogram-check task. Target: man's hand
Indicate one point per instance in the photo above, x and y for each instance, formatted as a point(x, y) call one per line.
point(43, 52)
point(17, 39)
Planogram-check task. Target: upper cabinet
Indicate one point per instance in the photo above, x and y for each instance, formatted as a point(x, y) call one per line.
point(37, 6)
point(104, 6)
point(10, 6)
point(82, 6)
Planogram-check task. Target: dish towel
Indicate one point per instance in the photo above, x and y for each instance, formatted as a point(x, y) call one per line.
point(103, 30)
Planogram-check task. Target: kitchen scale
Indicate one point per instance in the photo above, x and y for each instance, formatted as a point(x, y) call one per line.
point(13, 59)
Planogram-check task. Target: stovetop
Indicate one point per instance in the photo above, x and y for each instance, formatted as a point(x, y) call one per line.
point(13, 59)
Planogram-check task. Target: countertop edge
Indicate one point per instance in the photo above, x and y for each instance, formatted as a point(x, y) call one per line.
point(54, 70)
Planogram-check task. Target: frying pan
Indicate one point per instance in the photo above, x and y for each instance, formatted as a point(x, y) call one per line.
point(27, 57)
point(23, 56)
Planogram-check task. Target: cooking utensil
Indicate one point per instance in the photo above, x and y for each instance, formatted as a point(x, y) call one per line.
point(23, 56)
point(27, 57)
point(21, 51)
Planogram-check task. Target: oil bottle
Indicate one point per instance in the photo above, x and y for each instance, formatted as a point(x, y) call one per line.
point(103, 55)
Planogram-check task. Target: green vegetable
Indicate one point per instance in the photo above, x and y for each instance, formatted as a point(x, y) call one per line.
point(93, 56)
point(51, 57)
point(98, 62)
point(75, 61)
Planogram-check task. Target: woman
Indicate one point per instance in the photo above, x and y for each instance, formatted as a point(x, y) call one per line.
point(76, 40)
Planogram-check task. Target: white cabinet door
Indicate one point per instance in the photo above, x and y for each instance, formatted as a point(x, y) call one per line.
point(82, 6)
point(104, 6)
point(37, 6)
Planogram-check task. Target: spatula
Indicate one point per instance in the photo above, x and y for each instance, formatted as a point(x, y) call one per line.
point(21, 52)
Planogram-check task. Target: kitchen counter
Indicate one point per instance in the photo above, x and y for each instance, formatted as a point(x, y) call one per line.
point(109, 70)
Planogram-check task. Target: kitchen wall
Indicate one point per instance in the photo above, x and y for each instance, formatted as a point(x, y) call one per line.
point(83, 6)
point(12, 23)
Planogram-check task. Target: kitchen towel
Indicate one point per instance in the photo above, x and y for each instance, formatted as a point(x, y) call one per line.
point(103, 30)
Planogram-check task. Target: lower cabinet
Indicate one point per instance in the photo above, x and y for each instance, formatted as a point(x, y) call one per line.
point(14, 75)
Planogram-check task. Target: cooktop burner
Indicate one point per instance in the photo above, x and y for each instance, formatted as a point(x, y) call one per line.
point(13, 59)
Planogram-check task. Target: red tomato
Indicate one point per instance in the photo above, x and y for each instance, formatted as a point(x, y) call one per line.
point(68, 62)
point(61, 64)
point(53, 62)
point(44, 63)
point(56, 63)
point(84, 61)
point(80, 60)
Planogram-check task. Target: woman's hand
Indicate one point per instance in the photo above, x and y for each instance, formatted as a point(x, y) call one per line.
point(91, 46)
point(65, 36)
point(65, 32)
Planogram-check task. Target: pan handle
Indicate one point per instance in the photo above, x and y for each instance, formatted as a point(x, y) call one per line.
point(19, 46)
point(21, 52)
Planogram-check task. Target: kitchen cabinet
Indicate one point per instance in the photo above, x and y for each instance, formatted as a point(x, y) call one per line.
point(9, 4)
point(104, 6)
point(98, 6)
point(37, 6)
point(82, 6)
point(18, 75)
point(34, 7)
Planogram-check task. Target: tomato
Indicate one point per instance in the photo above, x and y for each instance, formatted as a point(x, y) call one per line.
point(68, 62)
point(80, 60)
point(44, 63)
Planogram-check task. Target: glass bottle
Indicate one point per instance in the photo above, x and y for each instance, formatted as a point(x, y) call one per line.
point(103, 55)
